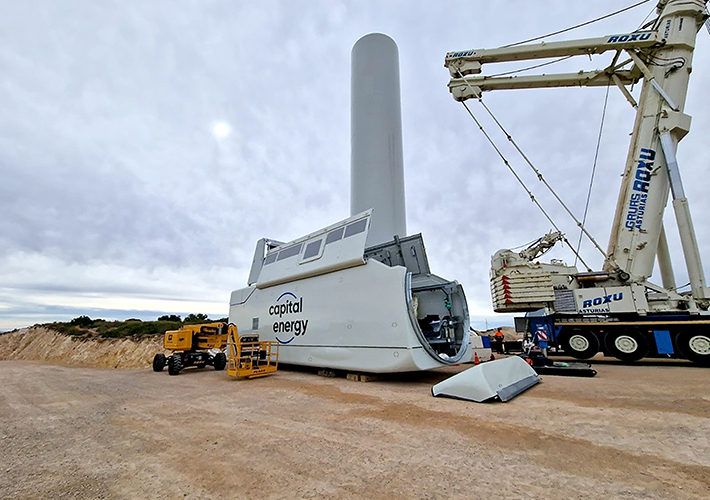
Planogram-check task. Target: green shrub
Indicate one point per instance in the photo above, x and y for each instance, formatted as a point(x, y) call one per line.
point(192, 319)
point(83, 321)
point(171, 317)
point(136, 328)
point(114, 329)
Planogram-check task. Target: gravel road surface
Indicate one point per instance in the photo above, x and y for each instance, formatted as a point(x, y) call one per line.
point(633, 432)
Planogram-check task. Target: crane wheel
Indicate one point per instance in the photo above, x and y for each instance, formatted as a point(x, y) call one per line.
point(174, 364)
point(220, 361)
point(159, 362)
point(580, 344)
point(695, 347)
point(626, 345)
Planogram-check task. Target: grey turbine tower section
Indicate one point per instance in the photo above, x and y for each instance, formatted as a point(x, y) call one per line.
point(376, 165)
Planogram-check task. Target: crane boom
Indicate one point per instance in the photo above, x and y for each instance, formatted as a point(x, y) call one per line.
point(617, 310)
point(638, 220)
point(662, 58)
point(466, 62)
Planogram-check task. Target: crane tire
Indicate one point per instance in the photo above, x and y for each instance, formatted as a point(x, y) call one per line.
point(695, 346)
point(580, 344)
point(627, 345)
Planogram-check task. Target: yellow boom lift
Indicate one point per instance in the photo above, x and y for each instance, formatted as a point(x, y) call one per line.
point(249, 357)
point(194, 345)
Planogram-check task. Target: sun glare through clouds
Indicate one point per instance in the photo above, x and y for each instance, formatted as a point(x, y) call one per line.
point(220, 130)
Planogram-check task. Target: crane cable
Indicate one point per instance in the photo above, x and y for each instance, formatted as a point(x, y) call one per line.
point(644, 24)
point(542, 179)
point(515, 174)
point(527, 160)
point(594, 169)
point(579, 25)
point(559, 59)
point(707, 25)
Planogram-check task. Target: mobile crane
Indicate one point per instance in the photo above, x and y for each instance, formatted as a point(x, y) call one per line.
point(617, 310)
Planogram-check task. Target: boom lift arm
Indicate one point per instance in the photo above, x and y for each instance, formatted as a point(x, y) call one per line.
point(662, 58)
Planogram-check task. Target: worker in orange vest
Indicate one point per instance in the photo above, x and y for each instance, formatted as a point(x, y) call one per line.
point(499, 340)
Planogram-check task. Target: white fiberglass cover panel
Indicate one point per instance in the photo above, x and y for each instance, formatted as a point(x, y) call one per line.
point(502, 379)
point(339, 246)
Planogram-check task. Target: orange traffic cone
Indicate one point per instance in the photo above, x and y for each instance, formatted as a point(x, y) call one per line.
point(475, 358)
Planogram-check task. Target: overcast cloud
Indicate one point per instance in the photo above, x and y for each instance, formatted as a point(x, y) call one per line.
point(146, 146)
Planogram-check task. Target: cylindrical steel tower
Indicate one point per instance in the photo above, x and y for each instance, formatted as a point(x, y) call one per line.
point(376, 164)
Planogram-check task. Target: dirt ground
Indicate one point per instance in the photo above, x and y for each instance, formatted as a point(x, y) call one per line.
point(96, 433)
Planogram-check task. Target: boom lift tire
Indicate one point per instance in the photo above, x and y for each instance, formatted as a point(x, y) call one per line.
point(220, 361)
point(580, 344)
point(626, 345)
point(159, 361)
point(174, 364)
point(695, 346)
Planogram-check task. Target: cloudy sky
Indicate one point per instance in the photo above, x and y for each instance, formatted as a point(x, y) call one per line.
point(147, 145)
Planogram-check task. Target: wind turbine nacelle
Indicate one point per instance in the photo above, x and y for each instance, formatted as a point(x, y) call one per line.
point(330, 302)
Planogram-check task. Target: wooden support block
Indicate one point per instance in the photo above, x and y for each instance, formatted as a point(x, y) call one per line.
point(363, 377)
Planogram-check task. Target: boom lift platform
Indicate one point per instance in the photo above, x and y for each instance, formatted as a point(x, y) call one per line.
point(249, 357)
point(618, 310)
point(194, 345)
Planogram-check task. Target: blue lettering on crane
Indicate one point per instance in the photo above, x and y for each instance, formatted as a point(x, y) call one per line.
point(630, 37)
point(642, 181)
point(463, 53)
point(604, 299)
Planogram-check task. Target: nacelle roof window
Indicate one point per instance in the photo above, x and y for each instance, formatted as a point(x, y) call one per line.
point(290, 252)
point(355, 228)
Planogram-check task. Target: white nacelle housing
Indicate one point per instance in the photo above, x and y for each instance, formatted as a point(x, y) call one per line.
point(332, 303)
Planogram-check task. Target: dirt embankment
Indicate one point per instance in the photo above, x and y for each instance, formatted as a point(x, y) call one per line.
point(42, 344)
